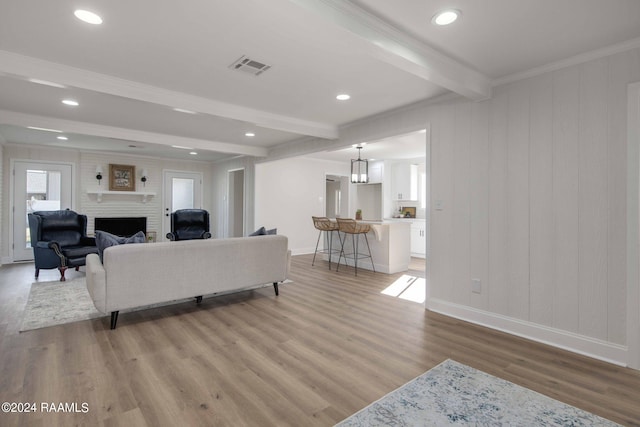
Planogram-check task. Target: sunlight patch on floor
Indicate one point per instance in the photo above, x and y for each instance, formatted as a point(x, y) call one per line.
point(408, 288)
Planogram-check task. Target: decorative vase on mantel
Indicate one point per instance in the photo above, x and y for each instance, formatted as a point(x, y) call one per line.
point(359, 214)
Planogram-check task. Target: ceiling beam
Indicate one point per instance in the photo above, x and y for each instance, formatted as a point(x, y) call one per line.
point(389, 44)
point(29, 67)
point(83, 128)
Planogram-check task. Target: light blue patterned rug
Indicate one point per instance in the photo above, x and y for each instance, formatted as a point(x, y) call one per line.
point(456, 394)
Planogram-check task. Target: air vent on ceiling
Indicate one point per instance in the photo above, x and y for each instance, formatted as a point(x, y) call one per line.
point(250, 66)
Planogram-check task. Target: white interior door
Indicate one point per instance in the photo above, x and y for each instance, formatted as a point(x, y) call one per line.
point(37, 187)
point(181, 190)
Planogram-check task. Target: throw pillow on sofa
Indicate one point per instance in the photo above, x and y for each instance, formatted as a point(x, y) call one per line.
point(263, 232)
point(105, 240)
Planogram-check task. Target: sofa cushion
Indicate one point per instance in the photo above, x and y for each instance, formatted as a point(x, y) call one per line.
point(105, 240)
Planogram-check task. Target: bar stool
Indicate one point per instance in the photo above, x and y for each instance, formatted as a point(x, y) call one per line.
point(322, 223)
point(350, 226)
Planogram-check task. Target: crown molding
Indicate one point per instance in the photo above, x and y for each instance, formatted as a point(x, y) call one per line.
point(568, 62)
point(29, 67)
point(389, 44)
point(21, 119)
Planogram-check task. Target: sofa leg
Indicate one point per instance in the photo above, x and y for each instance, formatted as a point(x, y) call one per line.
point(198, 299)
point(78, 268)
point(37, 272)
point(275, 288)
point(62, 270)
point(114, 319)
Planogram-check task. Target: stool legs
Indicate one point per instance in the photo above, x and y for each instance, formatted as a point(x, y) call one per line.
point(355, 244)
point(329, 239)
point(316, 251)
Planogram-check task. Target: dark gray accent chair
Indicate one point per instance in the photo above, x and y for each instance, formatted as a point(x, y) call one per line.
point(189, 224)
point(59, 240)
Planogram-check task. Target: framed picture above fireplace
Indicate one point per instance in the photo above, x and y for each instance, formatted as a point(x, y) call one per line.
point(122, 178)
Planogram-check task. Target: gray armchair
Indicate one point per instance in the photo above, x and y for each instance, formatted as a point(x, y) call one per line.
point(59, 240)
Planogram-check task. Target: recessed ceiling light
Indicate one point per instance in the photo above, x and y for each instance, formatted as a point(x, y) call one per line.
point(88, 17)
point(70, 102)
point(446, 17)
point(343, 97)
point(44, 129)
point(193, 153)
point(63, 138)
point(46, 83)
point(250, 134)
point(182, 110)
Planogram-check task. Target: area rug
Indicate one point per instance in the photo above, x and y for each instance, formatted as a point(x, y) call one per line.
point(57, 303)
point(456, 394)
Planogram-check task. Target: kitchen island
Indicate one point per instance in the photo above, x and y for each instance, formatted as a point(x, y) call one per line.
point(390, 244)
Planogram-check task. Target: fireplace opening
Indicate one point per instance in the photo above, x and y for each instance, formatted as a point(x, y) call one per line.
point(121, 226)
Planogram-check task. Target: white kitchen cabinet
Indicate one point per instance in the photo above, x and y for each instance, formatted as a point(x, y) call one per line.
point(419, 239)
point(376, 172)
point(404, 181)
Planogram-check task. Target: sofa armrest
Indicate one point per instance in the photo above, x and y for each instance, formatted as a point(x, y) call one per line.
point(97, 282)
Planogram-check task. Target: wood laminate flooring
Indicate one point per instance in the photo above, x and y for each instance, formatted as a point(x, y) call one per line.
point(329, 345)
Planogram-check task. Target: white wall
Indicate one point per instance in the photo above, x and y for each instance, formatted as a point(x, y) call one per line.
point(533, 184)
point(288, 193)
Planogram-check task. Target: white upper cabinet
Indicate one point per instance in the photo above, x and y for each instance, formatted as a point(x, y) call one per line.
point(376, 172)
point(404, 181)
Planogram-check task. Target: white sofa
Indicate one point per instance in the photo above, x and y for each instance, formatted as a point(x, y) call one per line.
point(136, 275)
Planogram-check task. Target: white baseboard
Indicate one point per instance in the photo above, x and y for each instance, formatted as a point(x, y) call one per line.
point(587, 346)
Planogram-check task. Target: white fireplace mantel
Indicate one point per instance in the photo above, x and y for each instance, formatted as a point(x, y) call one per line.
point(144, 195)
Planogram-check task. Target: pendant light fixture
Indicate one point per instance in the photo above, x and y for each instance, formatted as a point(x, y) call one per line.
point(359, 169)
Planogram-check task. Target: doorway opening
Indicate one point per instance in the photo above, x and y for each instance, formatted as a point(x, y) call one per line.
point(336, 196)
point(235, 203)
point(182, 190)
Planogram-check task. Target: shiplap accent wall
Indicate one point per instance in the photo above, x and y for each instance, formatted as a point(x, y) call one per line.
point(111, 205)
point(120, 205)
point(127, 205)
point(533, 186)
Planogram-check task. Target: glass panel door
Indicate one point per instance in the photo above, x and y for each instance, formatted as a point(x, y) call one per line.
point(37, 187)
